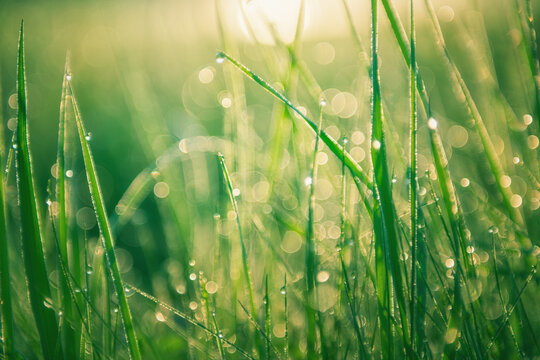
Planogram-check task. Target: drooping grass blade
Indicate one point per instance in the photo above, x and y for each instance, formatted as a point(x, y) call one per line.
point(337, 149)
point(105, 229)
point(34, 258)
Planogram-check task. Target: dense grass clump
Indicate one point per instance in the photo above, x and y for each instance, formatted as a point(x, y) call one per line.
point(398, 217)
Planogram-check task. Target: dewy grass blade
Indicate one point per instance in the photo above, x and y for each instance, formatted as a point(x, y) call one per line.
point(245, 265)
point(68, 332)
point(34, 259)
point(388, 264)
point(413, 185)
point(106, 233)
point(337, 149)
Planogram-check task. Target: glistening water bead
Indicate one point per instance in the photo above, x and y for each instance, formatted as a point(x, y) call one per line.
point(220, 58)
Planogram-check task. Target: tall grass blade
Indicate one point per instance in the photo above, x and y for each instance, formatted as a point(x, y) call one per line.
point(311, 257)
point(34, 259)
point(413, 185)
point(106, 233)
point(68, 333)
point(247, 276)
point(387, 262)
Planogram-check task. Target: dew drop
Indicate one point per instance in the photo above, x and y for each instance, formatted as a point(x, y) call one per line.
point(89, 270)
point(376, 144)
point(192, 276)
point(394, 180)
point(236, 192)
point(493, 230)
point(323, 102)
point(68, 76)
point(14, 146)
point(115, 310)
point(88, 136)
point(220, 334)
point(308, 181)
point(48, 303)
point(128, 291)
point(220, 58)
point(192, 263)
point(69, 173)
point(432, 123)
point(283, 291)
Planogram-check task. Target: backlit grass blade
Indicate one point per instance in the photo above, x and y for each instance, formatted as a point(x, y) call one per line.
point(337, 149)
point(245, 265)
point(68, 332)
point(311, 259)
point(413, 185)
point(106, 233)
point(387, 262)
point(34, 259)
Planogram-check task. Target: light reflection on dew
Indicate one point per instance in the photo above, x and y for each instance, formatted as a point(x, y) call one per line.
point(220, 58)
point(432, 123)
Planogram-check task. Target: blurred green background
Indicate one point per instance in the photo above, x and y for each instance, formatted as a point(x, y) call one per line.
point(148, 67)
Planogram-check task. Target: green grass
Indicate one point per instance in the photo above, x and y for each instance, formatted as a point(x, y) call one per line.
point(381, 204)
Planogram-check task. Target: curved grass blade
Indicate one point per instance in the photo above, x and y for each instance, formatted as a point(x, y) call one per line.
point(34, 259)
point(337, 149)
point(107, 238)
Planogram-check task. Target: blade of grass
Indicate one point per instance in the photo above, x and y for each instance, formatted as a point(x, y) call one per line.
point(311, 257)
point(247, 276)
point(105, 229)
point(34, 258)
point(388, 265)
point(68, 333)
point(416, 341)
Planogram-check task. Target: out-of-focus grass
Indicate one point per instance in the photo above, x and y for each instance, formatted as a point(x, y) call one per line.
point(387, 253)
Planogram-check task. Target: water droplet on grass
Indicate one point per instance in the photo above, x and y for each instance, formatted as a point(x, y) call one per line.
point(432, 123)
point(220, 58)
point(308, 181)
point(128, 291)
point(283, 291)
